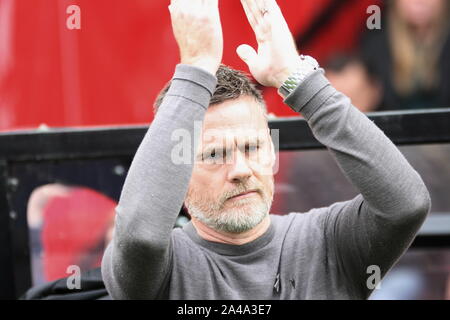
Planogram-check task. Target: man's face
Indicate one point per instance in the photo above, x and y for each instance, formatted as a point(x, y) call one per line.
point(232, 183)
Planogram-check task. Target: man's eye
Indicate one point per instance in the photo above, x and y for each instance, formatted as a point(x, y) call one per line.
point(212, 156)
point(251, 148)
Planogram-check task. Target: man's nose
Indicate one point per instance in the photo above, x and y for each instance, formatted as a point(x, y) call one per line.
point(239, 170)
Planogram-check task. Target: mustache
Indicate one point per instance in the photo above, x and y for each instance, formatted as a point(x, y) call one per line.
point(242, 188)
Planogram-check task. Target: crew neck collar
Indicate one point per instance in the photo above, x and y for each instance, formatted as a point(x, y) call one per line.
point(230, 249)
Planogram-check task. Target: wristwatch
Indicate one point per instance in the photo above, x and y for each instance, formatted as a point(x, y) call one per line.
point(306, 66)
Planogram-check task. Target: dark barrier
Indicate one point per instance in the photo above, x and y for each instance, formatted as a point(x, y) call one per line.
point(99, 158)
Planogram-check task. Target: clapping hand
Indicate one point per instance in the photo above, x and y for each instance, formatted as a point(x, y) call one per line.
point(277, 55)
point(198, 32)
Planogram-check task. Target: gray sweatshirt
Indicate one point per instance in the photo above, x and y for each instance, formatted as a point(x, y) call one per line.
point(326, 253)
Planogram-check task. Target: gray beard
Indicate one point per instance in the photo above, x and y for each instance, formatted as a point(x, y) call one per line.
point(241, 218)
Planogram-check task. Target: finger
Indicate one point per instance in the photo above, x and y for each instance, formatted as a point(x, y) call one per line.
point(271, 5)
point(260, 27)
point(250, 17)
point(188, 3)
point(273, 10)
point(190, 6)
point(247, 54)
point(255, 9)
point(177, 4)
point(172, 4)
point(211, 3)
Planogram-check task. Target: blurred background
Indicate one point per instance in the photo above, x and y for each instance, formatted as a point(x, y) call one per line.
point(108, 72)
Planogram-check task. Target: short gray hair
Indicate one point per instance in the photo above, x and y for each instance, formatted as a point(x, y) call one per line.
point(231, 84)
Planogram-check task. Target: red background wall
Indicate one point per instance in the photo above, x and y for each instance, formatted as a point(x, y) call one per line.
point(109, 72)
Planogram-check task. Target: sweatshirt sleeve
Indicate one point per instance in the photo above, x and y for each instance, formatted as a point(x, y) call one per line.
point(376, 227)
point(137, 261)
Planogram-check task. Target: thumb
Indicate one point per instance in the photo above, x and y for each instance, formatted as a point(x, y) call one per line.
point(247, 54)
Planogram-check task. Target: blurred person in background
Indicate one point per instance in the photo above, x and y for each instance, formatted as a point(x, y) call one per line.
point(410, 55)
point(349, 75)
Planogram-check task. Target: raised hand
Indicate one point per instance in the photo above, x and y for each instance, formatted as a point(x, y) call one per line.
point(277, 55)
point(198, 32)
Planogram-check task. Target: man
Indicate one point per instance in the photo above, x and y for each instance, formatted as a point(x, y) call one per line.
point(232, 248)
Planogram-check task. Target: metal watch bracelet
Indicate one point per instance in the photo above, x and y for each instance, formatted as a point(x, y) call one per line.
point(306, 66)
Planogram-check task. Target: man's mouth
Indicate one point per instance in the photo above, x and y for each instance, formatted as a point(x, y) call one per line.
point(246, 194)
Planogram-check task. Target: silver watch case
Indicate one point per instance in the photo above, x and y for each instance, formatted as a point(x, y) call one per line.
point(306, 66)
